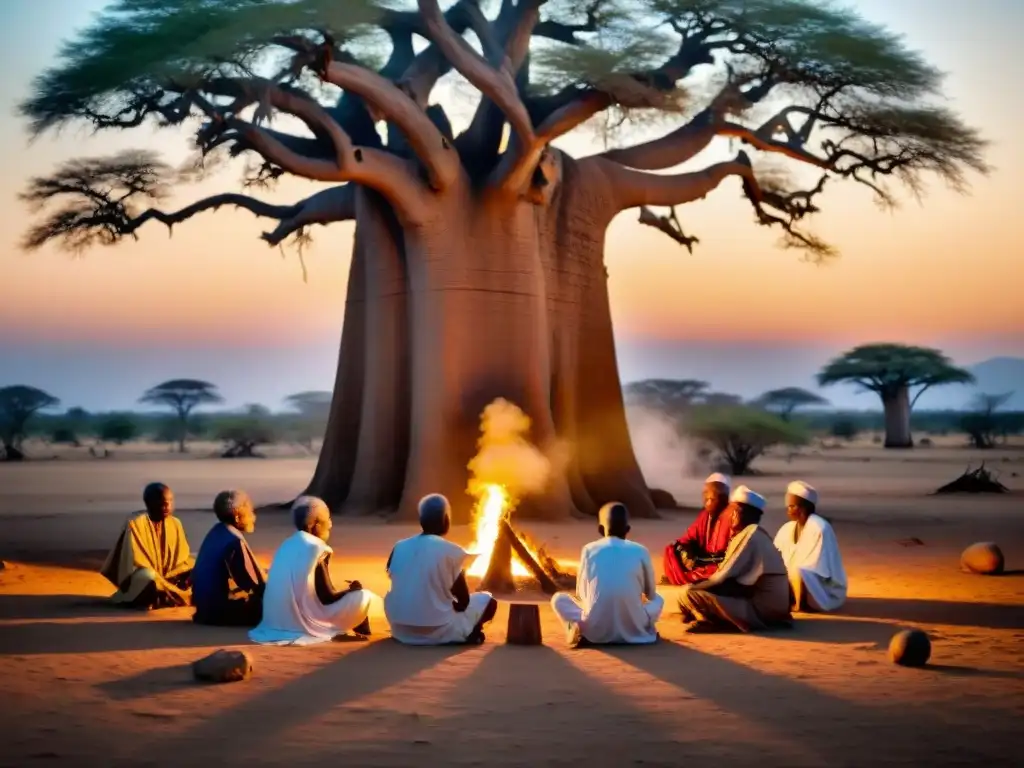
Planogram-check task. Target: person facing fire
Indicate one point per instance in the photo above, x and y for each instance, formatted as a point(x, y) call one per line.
point(696, 554)
point(615, 600)
point(429, 602)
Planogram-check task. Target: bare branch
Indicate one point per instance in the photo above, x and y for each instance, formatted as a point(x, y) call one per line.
point(496, 84)
point(668, 225)
point(325, 207)
point(430, 146)
point(636, 188)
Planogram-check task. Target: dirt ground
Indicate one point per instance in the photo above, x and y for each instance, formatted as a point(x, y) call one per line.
point(86, 685)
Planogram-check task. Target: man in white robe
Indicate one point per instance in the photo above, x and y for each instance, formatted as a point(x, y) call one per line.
point(429, 602)
point(615, 600)
point(810, 550)
point(299, 605)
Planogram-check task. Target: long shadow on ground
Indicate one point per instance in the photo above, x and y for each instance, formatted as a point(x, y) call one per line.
point(901, 733)
point(986, 615)
point(56, 607)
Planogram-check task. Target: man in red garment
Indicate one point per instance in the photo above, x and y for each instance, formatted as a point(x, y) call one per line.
point(696, 555)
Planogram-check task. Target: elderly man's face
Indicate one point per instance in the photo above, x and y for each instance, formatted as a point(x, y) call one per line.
point(735, 512)
point(162, 506)
point(322, 527)
point(794, 508)
point(715, 497)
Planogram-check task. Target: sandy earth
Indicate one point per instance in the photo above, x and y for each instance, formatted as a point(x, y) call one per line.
point(87, 685)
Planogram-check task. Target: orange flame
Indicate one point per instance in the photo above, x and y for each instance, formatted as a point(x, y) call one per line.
point(492, 504)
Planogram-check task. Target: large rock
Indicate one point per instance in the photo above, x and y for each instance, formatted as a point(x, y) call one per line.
point(910, 648)
point(223, 666)
point(984, 558)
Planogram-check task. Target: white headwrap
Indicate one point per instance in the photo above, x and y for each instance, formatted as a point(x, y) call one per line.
point(803, 490)
point(744, 495)
point(718, 477)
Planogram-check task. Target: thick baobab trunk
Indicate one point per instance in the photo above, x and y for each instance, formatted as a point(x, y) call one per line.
point(896, 404)
point(588, 388)
point(479, 331)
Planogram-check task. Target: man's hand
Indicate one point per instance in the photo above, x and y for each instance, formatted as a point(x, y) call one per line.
point(459, 607)
point(354, 586)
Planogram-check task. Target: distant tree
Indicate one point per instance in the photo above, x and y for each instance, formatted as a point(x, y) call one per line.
point(891, 371)
point(64, 435)
point(741, 433)
point(313, 407)
point(720, 398)
point(844, 428)
point(118, 428)
point(182, 396)
point(982, 424)
point(786, 400)
point(664, 394)
point(244, 432)
point(18, 404)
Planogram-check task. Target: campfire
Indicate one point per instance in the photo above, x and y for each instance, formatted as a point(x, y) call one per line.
point(506, 561)
point(506, 468)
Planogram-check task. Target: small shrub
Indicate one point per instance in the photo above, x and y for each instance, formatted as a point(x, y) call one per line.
point(740, 434)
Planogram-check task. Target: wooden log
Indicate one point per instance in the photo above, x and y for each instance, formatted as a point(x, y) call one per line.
point(524, 624)
point(547, 584)
point(498, 577)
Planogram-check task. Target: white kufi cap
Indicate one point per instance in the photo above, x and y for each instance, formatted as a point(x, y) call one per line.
point(718, 477)
point(803, 490)
point(744, 495)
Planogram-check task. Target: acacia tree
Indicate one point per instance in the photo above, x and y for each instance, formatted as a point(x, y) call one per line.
point(182, 396)
point(891, 371)
point(786, 400)
point(313, 408)
point(741, 434)
point(18, 404)
point(478, 269)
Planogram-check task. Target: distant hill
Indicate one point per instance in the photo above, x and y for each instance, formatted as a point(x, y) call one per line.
point(995, 376)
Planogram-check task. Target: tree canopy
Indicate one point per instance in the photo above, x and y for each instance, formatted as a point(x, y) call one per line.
point(884, 368)
point(18, 404)
point(804, 83)
point(741, 434)
point(786, 400)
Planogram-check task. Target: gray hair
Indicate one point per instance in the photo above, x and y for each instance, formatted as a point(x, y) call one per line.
point(433, 509)
point(227, 504)
point(307, 510)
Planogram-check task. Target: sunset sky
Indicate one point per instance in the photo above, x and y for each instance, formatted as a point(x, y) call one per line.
point(215, 302)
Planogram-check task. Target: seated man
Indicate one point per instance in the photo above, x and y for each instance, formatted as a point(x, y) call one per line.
point(429, 601)
point(150, 563)
point(615, 577)
point(300, 603)
point(749, 591)
point(227, 583)
point(810, 551)
point(696, 555)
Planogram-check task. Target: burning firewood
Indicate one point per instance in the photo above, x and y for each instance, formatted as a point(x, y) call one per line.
point(979, 480)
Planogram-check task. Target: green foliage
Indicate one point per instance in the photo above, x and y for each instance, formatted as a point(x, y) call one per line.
point(741, 434)
point(984, 423)
point(884, 368)
point(786, 400)
point(666, 395)
point(844, 428)
point(313, 408)
point(64, 435)
point(118, 428)
point(245, 431)
point(18, 404)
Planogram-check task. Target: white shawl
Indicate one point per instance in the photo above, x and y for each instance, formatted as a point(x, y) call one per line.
point(815, 559)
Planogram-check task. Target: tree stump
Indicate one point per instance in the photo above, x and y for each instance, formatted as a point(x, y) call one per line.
point(910, 648)
point(524, 624)
point(984, 558)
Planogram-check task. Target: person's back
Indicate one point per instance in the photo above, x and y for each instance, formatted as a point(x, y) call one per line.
point(423, 569)
point(429, 602)
point(210, 574)
point(614, 577)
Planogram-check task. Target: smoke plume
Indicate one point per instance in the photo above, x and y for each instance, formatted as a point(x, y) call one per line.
point(664, 456)
point(506, 457)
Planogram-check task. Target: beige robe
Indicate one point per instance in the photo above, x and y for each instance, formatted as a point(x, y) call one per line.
point(751, 561)
point(142, 557)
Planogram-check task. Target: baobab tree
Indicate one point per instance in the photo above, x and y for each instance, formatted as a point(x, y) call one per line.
point(893, 371)
point(477, 270)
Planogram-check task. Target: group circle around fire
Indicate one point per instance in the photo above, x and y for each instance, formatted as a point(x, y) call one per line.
point(733, 575)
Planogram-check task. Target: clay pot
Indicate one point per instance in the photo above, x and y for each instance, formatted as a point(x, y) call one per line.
point(910, 648)
point(984, 558)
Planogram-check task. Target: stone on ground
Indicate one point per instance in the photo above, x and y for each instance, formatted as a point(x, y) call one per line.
point(223, 666)
point(984, 558)
point(910, 648)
